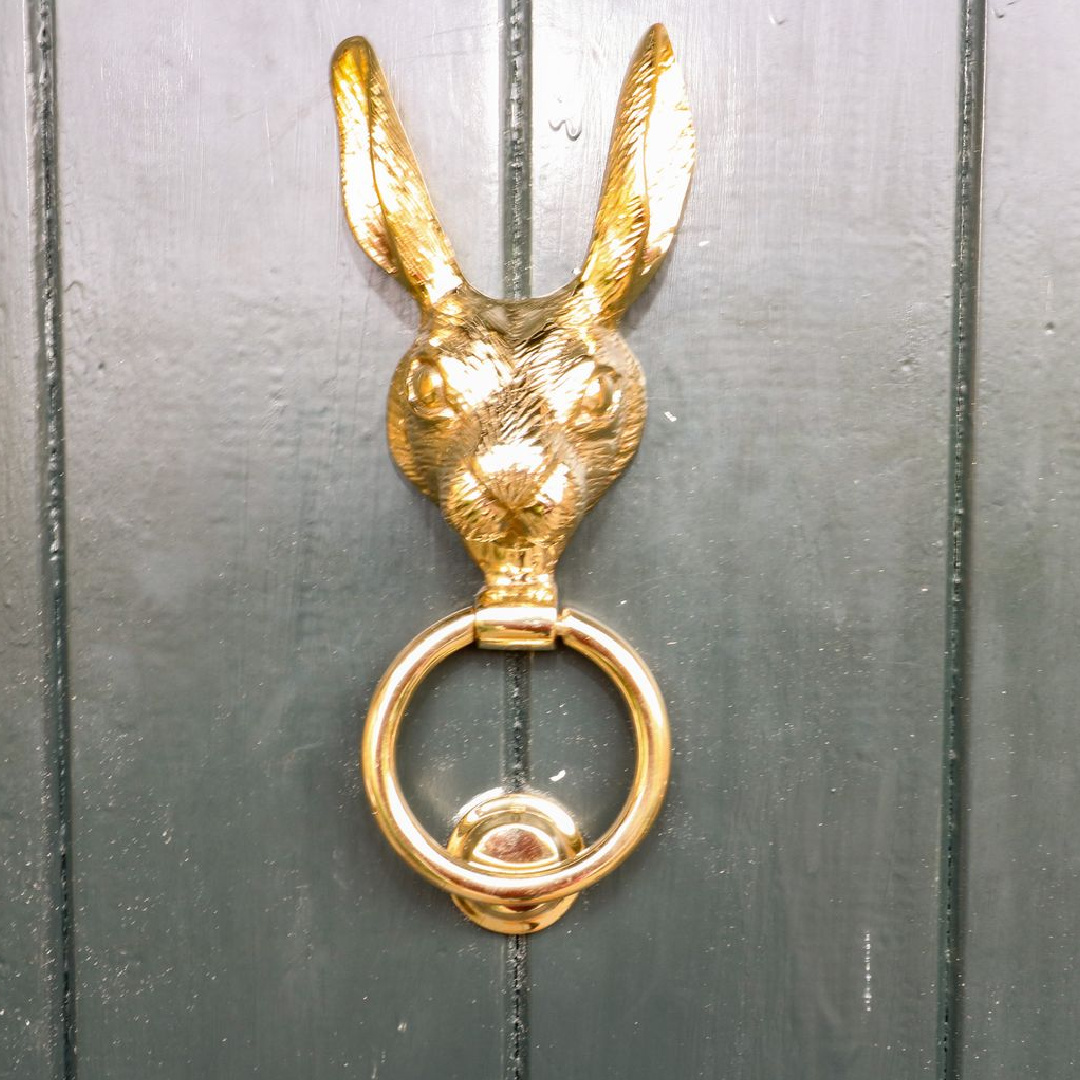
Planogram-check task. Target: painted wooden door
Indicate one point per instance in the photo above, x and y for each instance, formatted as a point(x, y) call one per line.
point(844, 548)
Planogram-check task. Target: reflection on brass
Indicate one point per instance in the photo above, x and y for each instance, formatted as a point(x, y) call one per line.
point(526, 884)
point(515, 416)
point(514, 832)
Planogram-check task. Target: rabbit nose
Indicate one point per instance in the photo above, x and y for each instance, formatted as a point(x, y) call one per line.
point(512, 473)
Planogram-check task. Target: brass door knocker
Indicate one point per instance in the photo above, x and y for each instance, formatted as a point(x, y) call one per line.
point(515, 416)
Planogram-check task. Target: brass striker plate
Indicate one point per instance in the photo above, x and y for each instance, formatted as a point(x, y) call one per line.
point(502, 830)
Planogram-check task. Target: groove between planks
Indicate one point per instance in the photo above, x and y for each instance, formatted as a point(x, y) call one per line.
point(48, 291)
point(517, 275)
point(965, 302)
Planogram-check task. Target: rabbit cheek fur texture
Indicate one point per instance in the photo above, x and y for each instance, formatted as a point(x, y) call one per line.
point(515, 416)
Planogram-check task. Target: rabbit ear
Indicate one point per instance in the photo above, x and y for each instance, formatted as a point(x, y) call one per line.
point(386, 202)
point(648, 172)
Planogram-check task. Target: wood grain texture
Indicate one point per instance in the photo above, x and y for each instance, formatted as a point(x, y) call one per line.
point(775, 552)
point(29, 922)
point(1021, 952)
point(245, 561)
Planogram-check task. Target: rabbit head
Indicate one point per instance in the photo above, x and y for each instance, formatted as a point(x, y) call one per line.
point(516, 415)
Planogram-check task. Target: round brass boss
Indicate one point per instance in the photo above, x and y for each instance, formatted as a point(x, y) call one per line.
point(557, 871)
point(515, 830)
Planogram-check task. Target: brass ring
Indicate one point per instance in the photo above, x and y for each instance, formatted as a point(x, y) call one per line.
point(497, 885)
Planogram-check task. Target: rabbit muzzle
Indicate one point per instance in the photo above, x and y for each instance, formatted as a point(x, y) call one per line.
point(516, 494)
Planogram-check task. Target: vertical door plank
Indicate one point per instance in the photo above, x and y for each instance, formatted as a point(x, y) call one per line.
point(245, 561)
point(1021, 955)
point(776, 551)
point(29, 920)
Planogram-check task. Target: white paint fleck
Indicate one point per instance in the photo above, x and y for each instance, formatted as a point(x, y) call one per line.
point(868, 990)
point(670, 416)
point(403, 1025)
point(558, 776)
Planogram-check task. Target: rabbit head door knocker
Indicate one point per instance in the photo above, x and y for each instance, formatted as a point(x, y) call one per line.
point(515, 416)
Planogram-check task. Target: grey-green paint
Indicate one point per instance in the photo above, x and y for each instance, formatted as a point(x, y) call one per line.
point(776, 550)
point(30, 939)
point(1021, 886)
point(243, 561)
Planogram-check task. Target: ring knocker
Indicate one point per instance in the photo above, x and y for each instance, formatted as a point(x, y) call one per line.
point(516, 416)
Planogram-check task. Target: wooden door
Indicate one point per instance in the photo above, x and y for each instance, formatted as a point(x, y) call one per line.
point(844, 549)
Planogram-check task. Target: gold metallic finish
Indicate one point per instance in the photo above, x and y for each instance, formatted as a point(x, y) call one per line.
point(515, 416)
point(521, 627)
point(514, 831)
point(485, 881)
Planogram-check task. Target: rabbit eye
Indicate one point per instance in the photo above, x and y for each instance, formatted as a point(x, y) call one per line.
point(600, 399)
point(428, 393)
